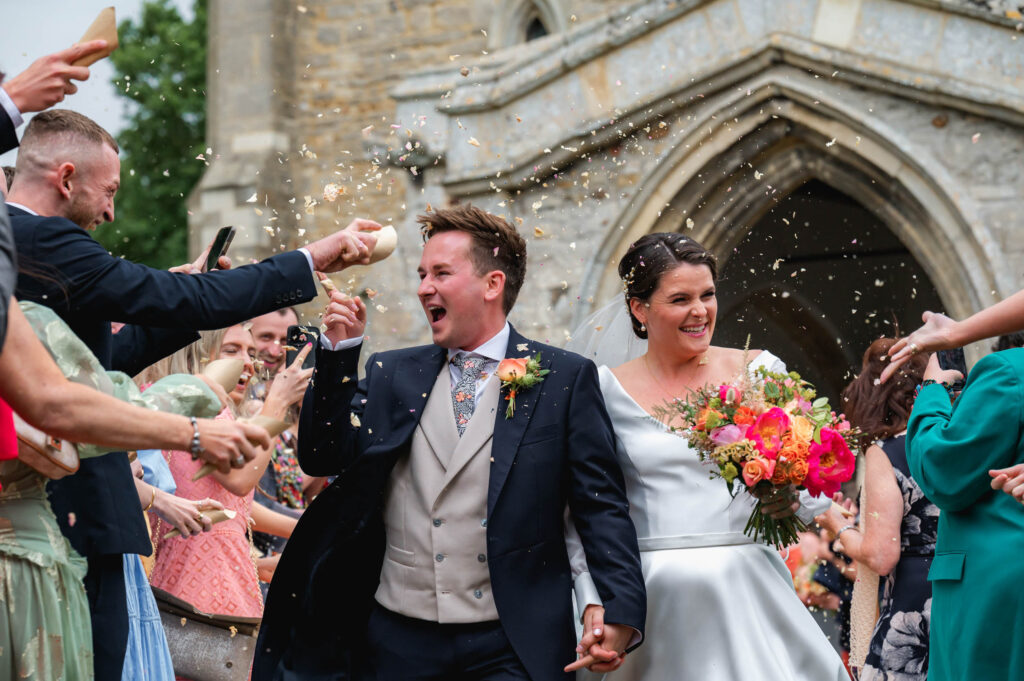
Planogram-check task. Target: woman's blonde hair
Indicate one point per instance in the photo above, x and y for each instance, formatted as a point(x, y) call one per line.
point(191, 359)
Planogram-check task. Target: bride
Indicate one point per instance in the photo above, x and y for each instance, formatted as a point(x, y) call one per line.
point(720, 606)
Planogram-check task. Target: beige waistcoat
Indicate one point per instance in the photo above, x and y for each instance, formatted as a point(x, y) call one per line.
point(435, 567)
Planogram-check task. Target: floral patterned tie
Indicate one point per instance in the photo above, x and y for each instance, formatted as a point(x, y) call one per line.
point(464, 392)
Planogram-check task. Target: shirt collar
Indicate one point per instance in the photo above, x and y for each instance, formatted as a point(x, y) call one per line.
point(493, 349)
point(21, 207)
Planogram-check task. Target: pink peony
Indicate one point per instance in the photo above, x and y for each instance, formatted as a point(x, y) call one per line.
point(829, 464)
point(727, 435)
point(767, 431)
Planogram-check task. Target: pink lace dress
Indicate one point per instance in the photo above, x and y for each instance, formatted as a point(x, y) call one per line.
point(213, 571)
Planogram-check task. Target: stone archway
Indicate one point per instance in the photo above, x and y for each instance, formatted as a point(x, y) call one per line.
point(745, 152)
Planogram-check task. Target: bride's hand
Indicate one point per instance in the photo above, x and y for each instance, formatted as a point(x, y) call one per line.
point(778, 503)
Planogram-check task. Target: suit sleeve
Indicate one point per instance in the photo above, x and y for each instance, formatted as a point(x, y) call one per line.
point(600, 510)
point(951, 448)
point(334, 402)
point(99, 284)
point(136, 347)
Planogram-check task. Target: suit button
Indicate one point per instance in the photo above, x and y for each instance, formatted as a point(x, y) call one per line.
point(482, 558)
point(483, 523)
point(439, 557)
point(438, 522)
point(478, 593)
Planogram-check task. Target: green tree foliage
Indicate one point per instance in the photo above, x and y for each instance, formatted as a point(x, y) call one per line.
point(160, 67)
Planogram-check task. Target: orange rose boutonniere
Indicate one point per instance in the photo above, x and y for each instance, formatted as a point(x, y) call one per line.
point(517, 374)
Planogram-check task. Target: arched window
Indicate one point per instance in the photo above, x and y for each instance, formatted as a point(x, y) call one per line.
point(535, 29)
point(515, 22)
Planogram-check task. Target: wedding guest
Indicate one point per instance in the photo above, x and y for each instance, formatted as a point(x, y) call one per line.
point(900, 523)
point(46, 610)
point(942, 333)
point(68, 173)
point(218, 575)
point(270, 331)
point(721, 606)
point(977, 606)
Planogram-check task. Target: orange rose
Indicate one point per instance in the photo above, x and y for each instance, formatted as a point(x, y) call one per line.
point(756, 470)
point(512, 368)
point(780, 476)
point(802, 428)
point(797, 472)
point(744, 416)
point(795, 450)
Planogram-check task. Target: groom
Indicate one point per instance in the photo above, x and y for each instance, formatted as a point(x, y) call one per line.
point(439, 551)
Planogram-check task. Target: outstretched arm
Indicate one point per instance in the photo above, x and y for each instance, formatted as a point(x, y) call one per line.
point(942, 333)
point(331, 410)
point(35, 388)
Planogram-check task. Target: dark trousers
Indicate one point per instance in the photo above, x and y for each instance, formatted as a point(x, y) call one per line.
point(405, 649)
point(108, 605)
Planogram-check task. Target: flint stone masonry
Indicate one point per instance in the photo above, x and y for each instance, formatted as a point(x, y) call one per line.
point(635, 118)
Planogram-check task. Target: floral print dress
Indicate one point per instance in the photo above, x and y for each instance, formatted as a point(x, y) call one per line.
point(899, 645)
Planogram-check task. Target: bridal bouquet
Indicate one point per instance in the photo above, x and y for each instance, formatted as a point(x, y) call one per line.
point(767, 432)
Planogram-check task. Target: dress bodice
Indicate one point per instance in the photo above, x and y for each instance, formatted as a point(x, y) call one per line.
point(671, 492)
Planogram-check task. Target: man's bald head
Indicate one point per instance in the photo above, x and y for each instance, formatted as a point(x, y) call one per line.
point(58, 135)
point(68, 167)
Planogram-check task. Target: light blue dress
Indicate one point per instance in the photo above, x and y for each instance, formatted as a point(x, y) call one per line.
point(147, 656)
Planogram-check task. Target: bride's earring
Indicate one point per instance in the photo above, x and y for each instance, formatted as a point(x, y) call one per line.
point(643, 327)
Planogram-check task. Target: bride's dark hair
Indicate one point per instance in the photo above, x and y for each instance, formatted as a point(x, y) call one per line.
point(651, 256)
point(881, 410)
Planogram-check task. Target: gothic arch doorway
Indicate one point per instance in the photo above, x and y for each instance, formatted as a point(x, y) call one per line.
point(816, 279)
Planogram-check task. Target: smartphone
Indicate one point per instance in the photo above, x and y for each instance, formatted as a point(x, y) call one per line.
point(954, 359)
point(298, 336)
point(219, 248)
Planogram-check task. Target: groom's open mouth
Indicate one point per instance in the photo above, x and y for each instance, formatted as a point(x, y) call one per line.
point(436, 313)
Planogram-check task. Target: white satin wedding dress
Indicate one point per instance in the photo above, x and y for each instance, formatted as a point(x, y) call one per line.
point(719, 606)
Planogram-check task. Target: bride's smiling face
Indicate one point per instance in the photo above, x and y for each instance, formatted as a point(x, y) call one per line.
point(682, 310)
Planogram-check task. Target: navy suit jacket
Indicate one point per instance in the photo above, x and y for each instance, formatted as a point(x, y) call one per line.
point(557, 449)
point(67, 270)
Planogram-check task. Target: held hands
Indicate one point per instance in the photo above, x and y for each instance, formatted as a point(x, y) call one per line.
point(1009, 480)
point(48, 79)
point(350, 246)
point(602, 647)
point(185, 515)
point(936, 334)
point(229, 444)
point(344, 318)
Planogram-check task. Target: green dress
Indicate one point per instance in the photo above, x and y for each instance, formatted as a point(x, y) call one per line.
point(977, 618)
point(45, 630)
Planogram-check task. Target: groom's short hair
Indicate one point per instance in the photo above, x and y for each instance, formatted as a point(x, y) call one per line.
point(496, 243)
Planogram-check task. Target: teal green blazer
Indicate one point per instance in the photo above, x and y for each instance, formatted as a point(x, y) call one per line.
point(977, 576)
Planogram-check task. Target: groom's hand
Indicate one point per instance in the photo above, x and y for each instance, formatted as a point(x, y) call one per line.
point(344, 318)
point(600, 656)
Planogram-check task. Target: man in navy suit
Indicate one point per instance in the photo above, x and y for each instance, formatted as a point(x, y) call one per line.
point(439, 552)
point(67, 175)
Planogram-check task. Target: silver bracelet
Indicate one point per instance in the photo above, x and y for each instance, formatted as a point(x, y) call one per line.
point(844, 529)
point(194, 448)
